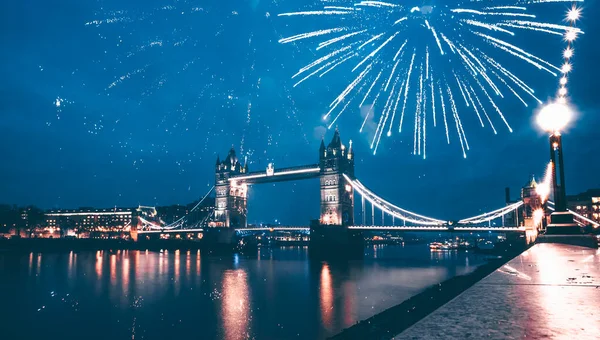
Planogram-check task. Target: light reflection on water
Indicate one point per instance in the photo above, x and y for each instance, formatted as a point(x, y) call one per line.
point(276, 293)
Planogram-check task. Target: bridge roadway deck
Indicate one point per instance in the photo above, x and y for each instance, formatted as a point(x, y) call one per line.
point(551, 291)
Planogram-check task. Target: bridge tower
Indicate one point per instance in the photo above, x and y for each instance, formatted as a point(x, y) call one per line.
point(231, 197)
point(337, 196)
point(330, 235)
point(531, 202)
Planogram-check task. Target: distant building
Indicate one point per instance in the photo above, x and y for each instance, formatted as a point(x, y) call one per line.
point(523, 217)
point(88, 222)
point(586, 204)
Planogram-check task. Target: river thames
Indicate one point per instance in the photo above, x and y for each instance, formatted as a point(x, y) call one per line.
point(274, 293)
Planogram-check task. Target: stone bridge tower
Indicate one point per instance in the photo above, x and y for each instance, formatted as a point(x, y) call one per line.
point(337, 196)
point(231, 197)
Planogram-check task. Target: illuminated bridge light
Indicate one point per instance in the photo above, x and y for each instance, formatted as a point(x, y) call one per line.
point(276, 173)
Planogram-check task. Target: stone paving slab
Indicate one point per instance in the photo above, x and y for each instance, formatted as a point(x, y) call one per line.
point(551, 291)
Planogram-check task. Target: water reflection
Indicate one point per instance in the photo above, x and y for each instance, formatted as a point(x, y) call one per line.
point(326, 296)
point(150, 294)
point(236, 305)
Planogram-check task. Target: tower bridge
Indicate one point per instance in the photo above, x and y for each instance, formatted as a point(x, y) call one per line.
point(336, 224)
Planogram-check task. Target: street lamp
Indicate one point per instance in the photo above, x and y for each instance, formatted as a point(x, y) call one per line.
point(553, 118)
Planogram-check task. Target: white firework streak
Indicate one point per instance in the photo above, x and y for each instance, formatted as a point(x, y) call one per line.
point(372, 54)
point(332, 12)
point(377, 4)
point(311, 35)
point(389, 133)
point(433, 102)
point(406, 89)
point(444, 115)
point(348, 89)
point(338, 39)
point(494, 105)
point(491, 27)
point(391, 76)
point(369, 91)
point(314, 72)
point(461, 90)
point(521, 53)
point(473, 104)
point(484, 111)
point(373, 38)
point(509, 87)
point(506, 7)
point(364, 40)
point(400, 50)
point(385, 115)
point(455, 116)
point(512, 77)
point(322, 59)
point(352, 55)
point(504, 14)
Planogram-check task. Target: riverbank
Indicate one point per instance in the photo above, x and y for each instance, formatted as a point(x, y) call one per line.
point(395, 320)
point(550, 291)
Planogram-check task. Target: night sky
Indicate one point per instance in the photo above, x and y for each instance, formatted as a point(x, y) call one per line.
point(135, 111)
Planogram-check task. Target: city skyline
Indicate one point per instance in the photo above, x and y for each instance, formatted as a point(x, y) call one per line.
point(91, 145)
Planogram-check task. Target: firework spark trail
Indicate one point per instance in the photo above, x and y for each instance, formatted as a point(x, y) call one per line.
point(385, 115)
point(371, 108)
point(505, 14)
point(424, 125)
point(372, 54)
point(391, 76)
point(311, 35)
point(520, 52)
point(400, 50)
point(389, 133)
point(377, 34)
point(320, 60)
point(484, 111)
point(406, 89)
point(433, 103)
point(514, 78)
point(333, 12)
point(369, 92)
point(444, 115)
point(348, 89)
point(455, 116)
point(494, 105)
point(491, 27)
point(461, 90)
point(473, 105)
point(337, 64)
point(338, 39)
point(510, 88)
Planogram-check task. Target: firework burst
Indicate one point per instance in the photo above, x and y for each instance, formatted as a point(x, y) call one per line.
point(425, 61)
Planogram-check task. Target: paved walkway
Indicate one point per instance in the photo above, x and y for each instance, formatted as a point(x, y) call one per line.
point(552, 291)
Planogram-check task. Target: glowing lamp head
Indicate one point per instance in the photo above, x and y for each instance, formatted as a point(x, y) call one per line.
point(554, 117)
point(571, 35)
point(568, 53)
point(573, 14)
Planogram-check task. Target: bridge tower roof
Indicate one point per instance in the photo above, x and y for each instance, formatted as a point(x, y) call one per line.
point(336, 141)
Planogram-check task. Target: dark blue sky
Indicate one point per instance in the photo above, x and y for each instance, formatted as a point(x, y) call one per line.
point(199, 76)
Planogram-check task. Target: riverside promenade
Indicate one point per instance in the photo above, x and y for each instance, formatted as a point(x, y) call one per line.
point(551, 291)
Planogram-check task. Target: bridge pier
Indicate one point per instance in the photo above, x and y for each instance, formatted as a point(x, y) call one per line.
point(220, 238)
point(332, 242)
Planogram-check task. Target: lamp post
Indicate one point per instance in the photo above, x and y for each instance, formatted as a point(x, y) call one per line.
point(553, 118)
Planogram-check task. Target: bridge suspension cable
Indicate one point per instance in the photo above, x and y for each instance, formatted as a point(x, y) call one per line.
point(181, 221)
point(389, 208)
point(492, 215)
point(592, 222)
